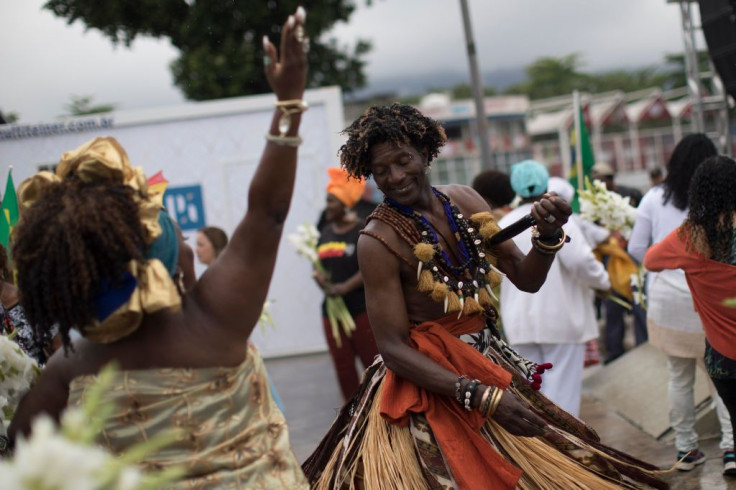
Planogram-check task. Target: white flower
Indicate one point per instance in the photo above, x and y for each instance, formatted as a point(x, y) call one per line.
point(305, 241)
point(129, 479)
point(266, 319)
point(49, 461)
point(608, 208)
point(18, 372)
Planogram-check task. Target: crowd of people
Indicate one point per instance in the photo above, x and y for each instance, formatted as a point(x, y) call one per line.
point(450, 395)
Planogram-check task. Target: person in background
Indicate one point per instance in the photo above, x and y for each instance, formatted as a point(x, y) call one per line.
point(704, 246)
point(337, 251)
point(495, 187)
point(674, 326)
point(594, 235)
point(555, 323)
point(110, 251)
point(604, 172)
point(210, 242)
point(620, 267)
point(15, 323)
point(363, 208)
point(656, 176)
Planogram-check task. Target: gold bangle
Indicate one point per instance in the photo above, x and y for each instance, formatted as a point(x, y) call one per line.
point(299, 103)
point(543, 247)
point(484, 398)
point(495, 401)
point(293, 141)
point(288, 109)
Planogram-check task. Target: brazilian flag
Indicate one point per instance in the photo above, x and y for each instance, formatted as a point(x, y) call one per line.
point(586, 156)
point(8, 211)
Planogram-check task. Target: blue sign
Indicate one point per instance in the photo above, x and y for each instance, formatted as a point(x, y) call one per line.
point(185, 205)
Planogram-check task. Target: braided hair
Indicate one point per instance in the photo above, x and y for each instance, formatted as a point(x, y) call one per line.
point(399, 123)
point(689, 153)
point(710, 221)
point(76, 237)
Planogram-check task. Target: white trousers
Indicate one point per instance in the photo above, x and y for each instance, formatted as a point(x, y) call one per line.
point(562, 383)
point(682, 404)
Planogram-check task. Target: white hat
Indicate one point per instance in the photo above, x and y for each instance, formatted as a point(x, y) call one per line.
point(562, 187)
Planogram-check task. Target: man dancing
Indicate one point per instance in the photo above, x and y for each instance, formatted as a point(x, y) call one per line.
point(449, 405)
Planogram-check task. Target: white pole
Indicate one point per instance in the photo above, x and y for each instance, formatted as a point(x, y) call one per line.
point(477, 84)
point(578, 146)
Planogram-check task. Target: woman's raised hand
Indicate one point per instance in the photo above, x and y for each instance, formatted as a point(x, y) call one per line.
point(286, 70)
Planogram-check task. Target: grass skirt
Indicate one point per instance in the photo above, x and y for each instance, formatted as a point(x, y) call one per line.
point(362, 451)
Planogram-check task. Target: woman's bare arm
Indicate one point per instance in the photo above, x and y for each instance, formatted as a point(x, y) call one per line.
point(232, 291)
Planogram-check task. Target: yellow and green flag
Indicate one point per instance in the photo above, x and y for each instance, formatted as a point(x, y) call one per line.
point(8, 211)
point(586, 156)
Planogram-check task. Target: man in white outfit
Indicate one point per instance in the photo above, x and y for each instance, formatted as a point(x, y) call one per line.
point(553, 324)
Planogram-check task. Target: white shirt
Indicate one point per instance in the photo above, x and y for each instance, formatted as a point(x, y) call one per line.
point(654, 221)
point(561, 312)
point(670, 302)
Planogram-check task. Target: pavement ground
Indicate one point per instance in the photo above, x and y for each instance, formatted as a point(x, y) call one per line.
point(309, 389)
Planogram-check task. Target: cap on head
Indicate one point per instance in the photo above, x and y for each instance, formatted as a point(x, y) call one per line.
point(602, 169)
point(529, 178)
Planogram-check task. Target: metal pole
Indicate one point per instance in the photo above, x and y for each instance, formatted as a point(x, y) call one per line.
point(480, 112)
point(692, 68)
point(577, 123)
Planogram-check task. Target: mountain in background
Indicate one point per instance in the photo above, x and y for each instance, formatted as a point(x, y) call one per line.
point(421, 83)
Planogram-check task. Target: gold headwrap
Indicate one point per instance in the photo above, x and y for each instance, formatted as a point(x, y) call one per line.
point(103, 160)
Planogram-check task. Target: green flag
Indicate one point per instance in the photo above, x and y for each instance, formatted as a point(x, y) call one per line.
point(587, 158)
point(8, 211)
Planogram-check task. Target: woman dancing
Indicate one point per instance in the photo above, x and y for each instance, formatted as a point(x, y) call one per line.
point(95, 253)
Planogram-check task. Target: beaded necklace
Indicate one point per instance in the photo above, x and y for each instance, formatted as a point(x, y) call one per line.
point(466, 287)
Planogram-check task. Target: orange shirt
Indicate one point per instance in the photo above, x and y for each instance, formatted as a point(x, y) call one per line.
point(710, 283)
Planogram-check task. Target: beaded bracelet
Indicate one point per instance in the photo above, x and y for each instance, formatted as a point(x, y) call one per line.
point(293, 141)
point(458, 388)
point(468, 394)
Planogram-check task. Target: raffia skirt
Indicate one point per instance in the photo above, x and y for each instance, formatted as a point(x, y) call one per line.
point(362, 451)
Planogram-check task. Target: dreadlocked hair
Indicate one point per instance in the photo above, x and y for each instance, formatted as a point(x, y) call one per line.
point(399, 123)
point(689, 153)
point(75, 237)
point(710, 221)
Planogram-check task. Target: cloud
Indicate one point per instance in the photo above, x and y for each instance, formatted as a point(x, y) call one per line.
point(45, 61)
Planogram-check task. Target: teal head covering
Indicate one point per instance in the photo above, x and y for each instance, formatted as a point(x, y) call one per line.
point(166, 247)
point(529, 178)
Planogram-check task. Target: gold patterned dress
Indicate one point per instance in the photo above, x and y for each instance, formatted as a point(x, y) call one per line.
point(234, 434)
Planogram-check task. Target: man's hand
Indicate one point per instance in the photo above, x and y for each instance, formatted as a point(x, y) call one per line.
point(550, 213)
point(516, 418)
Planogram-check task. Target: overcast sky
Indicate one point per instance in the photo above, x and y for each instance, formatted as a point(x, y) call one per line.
point(44, 61)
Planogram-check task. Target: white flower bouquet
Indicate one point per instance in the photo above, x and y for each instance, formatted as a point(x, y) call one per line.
point(611, 210)
point(305, 242)
point(66, 457)
point(18, 372)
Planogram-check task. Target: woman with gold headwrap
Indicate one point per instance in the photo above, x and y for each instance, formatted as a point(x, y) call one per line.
point(336, 251)
point(95, 252)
